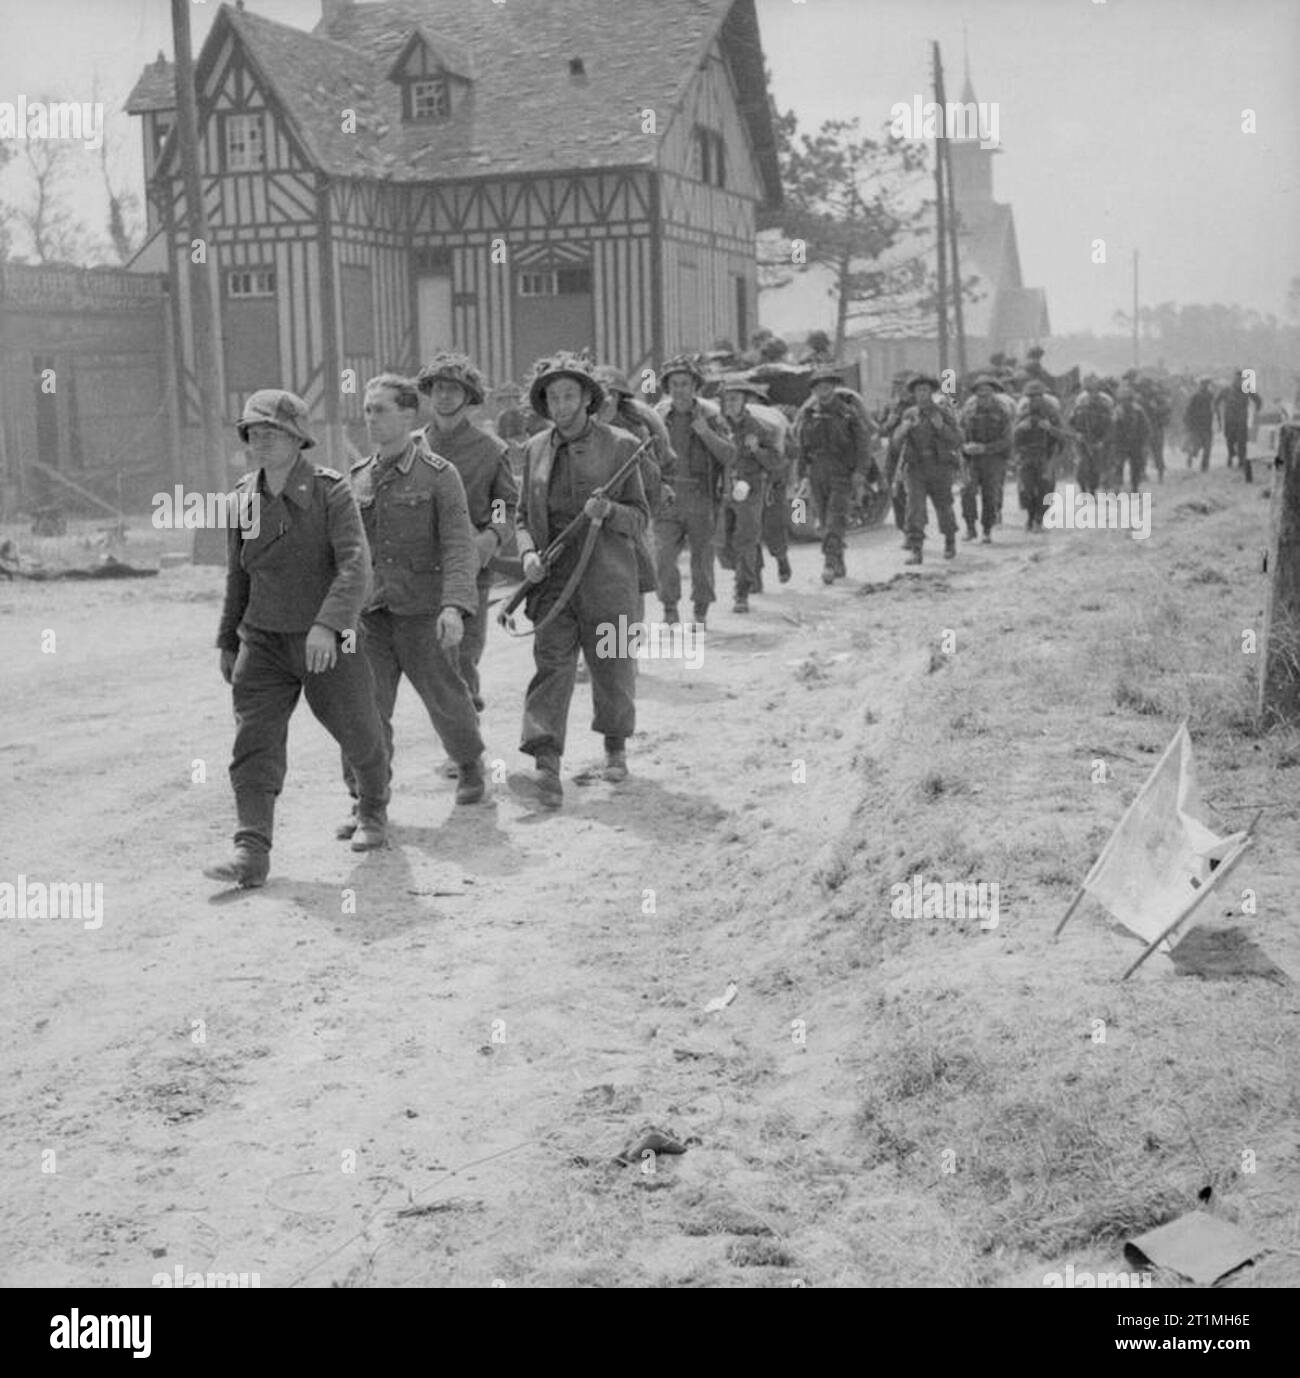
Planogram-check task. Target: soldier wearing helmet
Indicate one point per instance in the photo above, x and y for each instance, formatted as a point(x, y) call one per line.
point(1132, 436)
point(1038, 437)
point(987, 419)
point(928, 440)
point(451, 385)
point(756, 459)
point(1232, 407)
point(834, 437)
point(578, 602)
point(699, 440)
point(290, 625)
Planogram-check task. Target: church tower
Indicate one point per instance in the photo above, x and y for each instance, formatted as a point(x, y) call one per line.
point(972, 167)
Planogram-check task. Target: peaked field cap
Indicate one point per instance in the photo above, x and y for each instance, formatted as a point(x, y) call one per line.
point(453, 368)
point(928, 378)
point(564, 364)
point(276, 407)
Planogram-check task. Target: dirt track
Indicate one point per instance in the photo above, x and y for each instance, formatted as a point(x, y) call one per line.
point(429, 1090)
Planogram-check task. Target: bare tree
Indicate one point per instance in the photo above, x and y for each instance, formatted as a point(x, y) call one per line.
point(54, 232)
point(6, 210)
point(125, 230)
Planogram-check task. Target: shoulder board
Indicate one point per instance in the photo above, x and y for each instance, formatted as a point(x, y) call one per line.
point(361, 464)
point(432, 460)
point(245, 481)
point(323, 472)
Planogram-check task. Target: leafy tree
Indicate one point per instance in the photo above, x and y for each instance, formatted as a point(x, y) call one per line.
point(849, 199)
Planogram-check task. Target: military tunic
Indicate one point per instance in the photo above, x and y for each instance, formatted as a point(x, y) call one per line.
point(491, 493)
point(930, 454)
point(307, 564)
point(415, 515)
point(743, 520)
point(696, 479)
point(987, 422)
point(559, 476)
point(833, 441)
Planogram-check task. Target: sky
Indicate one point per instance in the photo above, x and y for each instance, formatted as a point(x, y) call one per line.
point(1119, 120)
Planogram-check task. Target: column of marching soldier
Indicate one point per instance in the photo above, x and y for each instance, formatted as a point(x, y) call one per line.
point(348, 583)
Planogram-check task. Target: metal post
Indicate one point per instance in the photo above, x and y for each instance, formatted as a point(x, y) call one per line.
point(946, 146)
point(204, 319)
point(941, 222)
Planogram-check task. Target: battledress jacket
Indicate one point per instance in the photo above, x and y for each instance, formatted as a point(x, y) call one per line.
point(417, 523)
point(308, 562)
point(590, 460)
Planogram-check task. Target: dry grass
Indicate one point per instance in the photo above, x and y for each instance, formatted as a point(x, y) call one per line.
point(986, 1097)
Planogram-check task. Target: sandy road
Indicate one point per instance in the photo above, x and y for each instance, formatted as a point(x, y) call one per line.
point(243, 1083)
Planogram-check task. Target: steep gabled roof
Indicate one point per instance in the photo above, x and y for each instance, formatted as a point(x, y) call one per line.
point(527, 111)
point(155, 90)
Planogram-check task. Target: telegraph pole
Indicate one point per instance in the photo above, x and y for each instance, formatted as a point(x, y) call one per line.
point(1135, 308)
point(941, 218)
point(946, 156)
point(207, 352)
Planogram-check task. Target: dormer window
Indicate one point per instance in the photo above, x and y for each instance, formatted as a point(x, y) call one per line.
point(435, 78)
point(244, 143)
point(428, 99)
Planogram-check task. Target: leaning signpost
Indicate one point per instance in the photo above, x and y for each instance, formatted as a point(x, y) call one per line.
point(1163, 861)
point(1279, 669)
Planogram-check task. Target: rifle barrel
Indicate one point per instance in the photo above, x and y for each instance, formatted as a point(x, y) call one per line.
point(552, 551)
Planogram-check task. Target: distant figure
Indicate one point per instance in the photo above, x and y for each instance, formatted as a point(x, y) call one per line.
point(1132, 436)
point(890, 419)
point(1034, 369)
point(704, 451)
point(1232, 406)
point(1199, 421)
point(929, 440)
point(1037, 439)
point(986, 419)
point(1092, 415)
point(834, 438)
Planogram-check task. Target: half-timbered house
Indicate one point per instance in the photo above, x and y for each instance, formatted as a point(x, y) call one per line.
point(501, 179)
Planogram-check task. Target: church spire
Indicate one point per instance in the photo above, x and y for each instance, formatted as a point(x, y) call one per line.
point(967, 90)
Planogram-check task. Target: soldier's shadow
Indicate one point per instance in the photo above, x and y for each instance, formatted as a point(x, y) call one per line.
point(645, 808)
point(378, 900)
point(471, 837)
